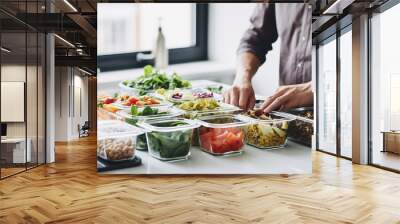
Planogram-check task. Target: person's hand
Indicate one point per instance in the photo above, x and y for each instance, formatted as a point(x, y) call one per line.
point(289, 96)
point(241, 95)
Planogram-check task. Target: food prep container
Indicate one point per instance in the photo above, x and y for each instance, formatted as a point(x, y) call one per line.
point(197, 112)
point(162, 103)
point(116, 140)
point(162, 113)
point(169, 139)
point(222, 108)
point(267, 133)
point(301, 128)
point(221, 134)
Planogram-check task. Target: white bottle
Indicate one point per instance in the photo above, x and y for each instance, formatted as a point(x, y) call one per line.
point(160, 51)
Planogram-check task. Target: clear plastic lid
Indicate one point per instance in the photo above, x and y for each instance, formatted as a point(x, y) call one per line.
point(115, 128)
point(223, 108)
point(222, 121)
point(168, 125)
point(294, 117)
point(162, 112)
point(274, 118)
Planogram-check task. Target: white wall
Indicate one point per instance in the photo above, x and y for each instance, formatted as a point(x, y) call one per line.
point(69, 82)
point(227, 23)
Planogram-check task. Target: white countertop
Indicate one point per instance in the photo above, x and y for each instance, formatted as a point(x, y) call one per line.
point(293, 159)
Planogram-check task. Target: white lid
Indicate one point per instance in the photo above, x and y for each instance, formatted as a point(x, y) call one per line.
point(236, 122)
point(115, 128)
point(150, 125)
point(294, 117)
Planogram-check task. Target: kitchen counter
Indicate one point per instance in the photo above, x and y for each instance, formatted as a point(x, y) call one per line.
point(293, 159)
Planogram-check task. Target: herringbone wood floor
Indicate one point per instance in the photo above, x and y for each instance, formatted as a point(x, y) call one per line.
point(70, 191)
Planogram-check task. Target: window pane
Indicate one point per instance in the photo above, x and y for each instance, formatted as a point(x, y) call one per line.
point(385, 85)
point(346, 94)
point(327, 97)
point(128, 27)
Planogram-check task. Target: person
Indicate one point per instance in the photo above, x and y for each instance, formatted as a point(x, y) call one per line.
point(292, 24)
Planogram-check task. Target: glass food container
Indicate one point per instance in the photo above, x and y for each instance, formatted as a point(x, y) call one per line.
point(143, 114)
point(203, 107)
point(116, 140)
point(269, 132)
point(221, 134)
point(301, 128)
point(141, 101)
point(169, 139)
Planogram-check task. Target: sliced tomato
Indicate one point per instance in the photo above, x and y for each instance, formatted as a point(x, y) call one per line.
point(133, 100)
point(109, 100)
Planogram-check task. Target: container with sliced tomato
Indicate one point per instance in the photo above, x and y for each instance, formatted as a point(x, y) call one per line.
point(125, 101)
point(222, 134)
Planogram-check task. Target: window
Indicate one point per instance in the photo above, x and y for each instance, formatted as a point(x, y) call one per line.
point(327, 96)
point(346, 93)
point(126, 29)
point(385, 89)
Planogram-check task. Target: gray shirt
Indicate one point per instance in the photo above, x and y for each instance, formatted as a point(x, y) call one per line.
point(291, 22)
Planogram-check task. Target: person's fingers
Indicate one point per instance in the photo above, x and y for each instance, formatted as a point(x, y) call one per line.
point(234, 96)
point(279, 92)
point(251, 102)
point(244, 98)
point(278, 102)
point(226, 96)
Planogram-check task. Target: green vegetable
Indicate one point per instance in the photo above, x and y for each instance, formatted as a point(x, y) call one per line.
point(148, 70)
point(215, 89)
point(134, 110)
point(169, 145)
point(154, 79)
point(148, 111)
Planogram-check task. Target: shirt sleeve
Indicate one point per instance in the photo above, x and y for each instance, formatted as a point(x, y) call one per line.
point(262, 33)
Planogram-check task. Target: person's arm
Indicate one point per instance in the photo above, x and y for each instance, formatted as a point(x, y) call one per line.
point(253, 47)
point(242, 94)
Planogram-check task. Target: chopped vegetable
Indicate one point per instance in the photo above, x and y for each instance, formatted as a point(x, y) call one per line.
point(221, 140)
point(266, 135)
point(111, 108)
point(139, 101)
point(199, 105)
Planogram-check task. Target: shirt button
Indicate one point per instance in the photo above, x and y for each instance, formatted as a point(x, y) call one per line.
point(299, 65)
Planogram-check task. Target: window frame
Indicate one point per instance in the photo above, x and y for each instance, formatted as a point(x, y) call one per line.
point(197, 52)
point(332, 34)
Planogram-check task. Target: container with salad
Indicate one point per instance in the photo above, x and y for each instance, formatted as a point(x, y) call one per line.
point(169, 139)
point(116, 140)
point(266, 131)
point(136, 114)
point(222, 134)
point(152, 80)
point(125, 101)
